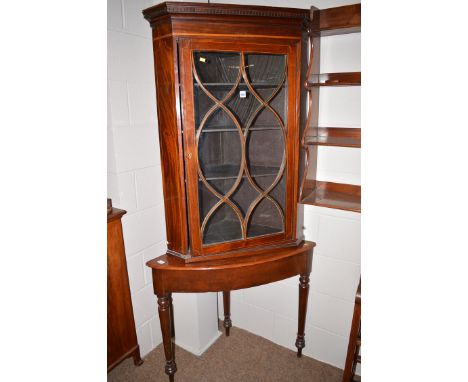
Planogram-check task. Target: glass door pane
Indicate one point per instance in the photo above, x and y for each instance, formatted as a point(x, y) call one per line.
point(240, 102)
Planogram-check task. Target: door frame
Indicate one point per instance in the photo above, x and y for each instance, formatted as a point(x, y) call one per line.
point(289, 48)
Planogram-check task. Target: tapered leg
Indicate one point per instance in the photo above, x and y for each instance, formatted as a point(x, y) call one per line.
point(303, 295)
point(172, 324)
point(136, 357)
point(164, 309)
point(227, 323)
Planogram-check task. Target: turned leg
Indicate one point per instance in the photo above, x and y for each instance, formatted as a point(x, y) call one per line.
point(136, 357)
point(303, 295)
point(227, 323)
point(165, 320)
point(172, 324)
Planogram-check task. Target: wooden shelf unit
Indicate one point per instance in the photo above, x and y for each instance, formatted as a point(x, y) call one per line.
point(327, 22)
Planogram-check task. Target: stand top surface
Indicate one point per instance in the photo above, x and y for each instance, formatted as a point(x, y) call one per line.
point(167, 262)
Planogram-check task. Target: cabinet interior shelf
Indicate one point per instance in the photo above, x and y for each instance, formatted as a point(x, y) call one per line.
point(229, 230)
point(230, 171)
point(224, 129)
point(332, 195)
point(334, 79)
point(227, 85)
point(335, 136)
point(338, 20)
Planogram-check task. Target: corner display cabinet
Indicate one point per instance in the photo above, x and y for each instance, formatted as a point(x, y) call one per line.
point(231, 103)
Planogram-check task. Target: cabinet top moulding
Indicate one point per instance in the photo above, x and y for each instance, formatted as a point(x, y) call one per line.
point(155, 13)
point(338, 20)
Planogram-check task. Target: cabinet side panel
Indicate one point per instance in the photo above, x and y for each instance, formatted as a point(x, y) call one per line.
point(302, 126)
point(167, 84)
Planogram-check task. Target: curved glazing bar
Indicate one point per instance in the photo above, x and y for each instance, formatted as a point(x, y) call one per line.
point(264, 104)
point(222, 198)
point(234, 170)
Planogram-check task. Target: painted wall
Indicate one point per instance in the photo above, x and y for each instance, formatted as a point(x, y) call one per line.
point(134, 183)
point(271, 310)
point(134, 172)
point(134, 178)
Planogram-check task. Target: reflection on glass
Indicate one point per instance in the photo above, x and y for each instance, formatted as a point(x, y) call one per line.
point(240, 120)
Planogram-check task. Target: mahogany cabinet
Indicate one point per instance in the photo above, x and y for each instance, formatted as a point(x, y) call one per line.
point(121, 335)
point(230, 102)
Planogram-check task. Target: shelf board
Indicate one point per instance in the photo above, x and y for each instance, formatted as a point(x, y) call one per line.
point(334, 79)
point(338, 20)
point(335, 136)
point(229, 171)
point(332, 195)
point(230, 230)
point(227, 85)
point(222, 129)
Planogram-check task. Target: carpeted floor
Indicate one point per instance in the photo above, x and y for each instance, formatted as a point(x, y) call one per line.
point(241, 357)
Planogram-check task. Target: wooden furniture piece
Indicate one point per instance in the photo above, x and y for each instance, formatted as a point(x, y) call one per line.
point(230, 106)
point(121, 335)
point(230, 103)
point(353, 357)
point(328, 22)
point(261, 267)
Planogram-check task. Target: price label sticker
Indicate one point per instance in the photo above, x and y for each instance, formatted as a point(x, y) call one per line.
point(202, 59)
point(242, 94)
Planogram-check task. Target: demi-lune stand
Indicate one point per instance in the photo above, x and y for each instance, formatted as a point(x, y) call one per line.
point(170, 275)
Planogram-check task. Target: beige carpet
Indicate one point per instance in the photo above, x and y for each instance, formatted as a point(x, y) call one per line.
point(241, 357)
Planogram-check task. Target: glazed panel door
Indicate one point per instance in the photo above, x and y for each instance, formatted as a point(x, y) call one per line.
point(238, 140)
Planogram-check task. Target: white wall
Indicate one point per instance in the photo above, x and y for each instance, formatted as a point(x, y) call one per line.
point(134, 173)
point(134, 183)
point(134, 177)
point(271, 310)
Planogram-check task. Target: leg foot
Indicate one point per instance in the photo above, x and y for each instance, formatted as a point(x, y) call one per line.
point(170, 369)
point(300, 344)
point(227, 323)
point(164, 309)
point(303, 295)
point(137, 358)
